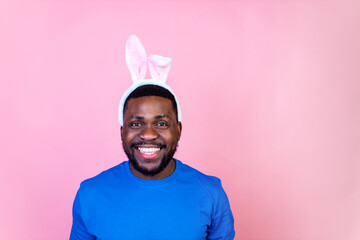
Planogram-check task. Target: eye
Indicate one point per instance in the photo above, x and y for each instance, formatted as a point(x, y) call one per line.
point(135, 125)
point(162, 124)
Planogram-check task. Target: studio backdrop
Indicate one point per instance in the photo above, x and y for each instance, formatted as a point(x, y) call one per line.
point(270, 97)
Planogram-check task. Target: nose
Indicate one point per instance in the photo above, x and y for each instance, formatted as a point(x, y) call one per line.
point(148, 133)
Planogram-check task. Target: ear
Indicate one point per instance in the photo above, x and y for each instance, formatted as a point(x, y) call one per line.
point(136, 58)
point(159, 67)
point(179, 129)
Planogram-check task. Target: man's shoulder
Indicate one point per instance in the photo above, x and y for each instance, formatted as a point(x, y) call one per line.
point(210, 184)
point(188, 170)
point(106, 177)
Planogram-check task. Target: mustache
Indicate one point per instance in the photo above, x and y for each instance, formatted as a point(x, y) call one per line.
point(156, 143)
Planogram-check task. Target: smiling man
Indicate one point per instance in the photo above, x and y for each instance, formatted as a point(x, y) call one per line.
point(151, 132)
point(153, 195)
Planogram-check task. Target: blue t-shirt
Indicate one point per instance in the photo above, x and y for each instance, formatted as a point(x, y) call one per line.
point(187, 205)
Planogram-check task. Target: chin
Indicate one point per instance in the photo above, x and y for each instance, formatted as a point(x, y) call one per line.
point(154, 170)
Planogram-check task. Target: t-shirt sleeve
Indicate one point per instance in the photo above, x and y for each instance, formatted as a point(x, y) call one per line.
point(78, 229)
point(222, 225)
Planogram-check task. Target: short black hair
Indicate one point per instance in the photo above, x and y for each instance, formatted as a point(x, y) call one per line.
point(152, 90)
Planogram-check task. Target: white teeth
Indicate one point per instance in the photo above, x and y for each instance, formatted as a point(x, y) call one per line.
point(148, 151)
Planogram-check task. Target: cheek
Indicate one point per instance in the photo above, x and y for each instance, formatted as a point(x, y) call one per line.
point(127, 136)
point(172, 138)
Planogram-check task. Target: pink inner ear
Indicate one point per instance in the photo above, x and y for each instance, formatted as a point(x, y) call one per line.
point(136, 57)
point(159, 71)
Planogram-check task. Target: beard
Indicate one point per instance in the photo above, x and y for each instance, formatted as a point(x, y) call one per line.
point(150, 172)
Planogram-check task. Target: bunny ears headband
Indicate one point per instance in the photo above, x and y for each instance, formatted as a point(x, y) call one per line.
point(138, 63)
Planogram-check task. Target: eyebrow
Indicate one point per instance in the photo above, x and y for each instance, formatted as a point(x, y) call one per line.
point(156, 117)
point(161, 116)
point(137, 117)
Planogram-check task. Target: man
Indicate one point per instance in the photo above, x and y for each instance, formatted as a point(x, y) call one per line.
point(153, 195)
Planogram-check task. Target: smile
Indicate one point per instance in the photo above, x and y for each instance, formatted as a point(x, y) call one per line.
point(149, 151)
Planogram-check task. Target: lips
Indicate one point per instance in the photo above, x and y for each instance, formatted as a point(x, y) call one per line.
point(148, 152)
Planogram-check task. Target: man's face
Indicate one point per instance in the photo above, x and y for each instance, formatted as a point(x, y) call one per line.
point(150, 133)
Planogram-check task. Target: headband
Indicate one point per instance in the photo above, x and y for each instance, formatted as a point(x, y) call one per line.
point(138, 63)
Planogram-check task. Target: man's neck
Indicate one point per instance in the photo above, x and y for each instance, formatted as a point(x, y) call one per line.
point(168, 170)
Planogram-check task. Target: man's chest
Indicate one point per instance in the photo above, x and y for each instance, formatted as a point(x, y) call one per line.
point(150, 214)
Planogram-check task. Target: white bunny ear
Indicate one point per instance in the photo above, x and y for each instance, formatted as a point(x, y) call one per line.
point(136, 58)
point(159, 67)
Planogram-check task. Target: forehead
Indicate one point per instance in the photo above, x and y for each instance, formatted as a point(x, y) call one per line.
point(149, 105)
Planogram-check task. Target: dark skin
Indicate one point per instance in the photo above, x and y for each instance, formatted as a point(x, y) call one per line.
point(150, 123)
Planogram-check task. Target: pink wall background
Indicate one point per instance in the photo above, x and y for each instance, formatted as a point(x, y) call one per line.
point(270, 93)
